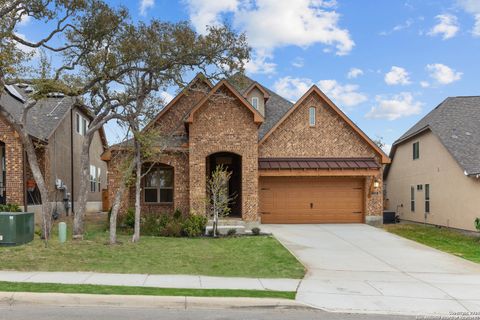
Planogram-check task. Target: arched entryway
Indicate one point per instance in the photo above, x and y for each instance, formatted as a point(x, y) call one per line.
point(233, 163)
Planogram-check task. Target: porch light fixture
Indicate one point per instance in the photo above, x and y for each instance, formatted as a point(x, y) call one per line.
point(376, 184)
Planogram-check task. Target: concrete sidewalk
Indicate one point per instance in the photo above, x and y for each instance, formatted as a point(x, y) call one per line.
point(149, 280)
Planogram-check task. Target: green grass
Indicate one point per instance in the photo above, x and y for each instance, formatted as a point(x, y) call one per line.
point(448, 240)
point(122, 290)
point(260, 256)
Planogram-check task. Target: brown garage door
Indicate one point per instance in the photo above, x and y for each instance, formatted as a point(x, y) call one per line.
point(311, 200)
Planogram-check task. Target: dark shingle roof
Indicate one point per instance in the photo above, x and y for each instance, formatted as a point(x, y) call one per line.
point(275, 108)
point(456, 122)
point(43, 119)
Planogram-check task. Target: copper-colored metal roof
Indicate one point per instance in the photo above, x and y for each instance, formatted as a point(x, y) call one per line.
point(317, 163)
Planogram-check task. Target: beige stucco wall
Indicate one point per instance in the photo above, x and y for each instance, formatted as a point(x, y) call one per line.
point(454, 198)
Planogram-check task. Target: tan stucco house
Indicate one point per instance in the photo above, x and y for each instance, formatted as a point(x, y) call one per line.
point(57, 125)
point(302, 162)
point(434, 176)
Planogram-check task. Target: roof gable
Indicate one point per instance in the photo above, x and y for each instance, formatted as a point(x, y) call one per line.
point(315, 90)
point(257, 117)
point(256, 85)
point(200, 77)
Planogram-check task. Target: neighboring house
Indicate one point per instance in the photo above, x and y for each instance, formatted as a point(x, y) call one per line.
point(57, 125)
point(291, 163)
point(434, 176)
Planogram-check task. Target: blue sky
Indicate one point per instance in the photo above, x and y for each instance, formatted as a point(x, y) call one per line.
point(384, 63)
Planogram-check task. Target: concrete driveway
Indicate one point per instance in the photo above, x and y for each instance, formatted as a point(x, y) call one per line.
point(359, 268)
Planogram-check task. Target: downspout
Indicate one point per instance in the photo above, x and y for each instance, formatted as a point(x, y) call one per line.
point(72, 178)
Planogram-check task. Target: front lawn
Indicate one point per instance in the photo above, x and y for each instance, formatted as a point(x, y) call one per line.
point(444, 239)
point(259, 256)
point(145, 291)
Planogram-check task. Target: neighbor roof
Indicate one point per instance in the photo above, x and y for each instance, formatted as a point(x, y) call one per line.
point(43, 119)
point(456, 122)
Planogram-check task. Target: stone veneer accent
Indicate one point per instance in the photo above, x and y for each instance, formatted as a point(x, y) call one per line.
point(330, 137)
point(223, 124)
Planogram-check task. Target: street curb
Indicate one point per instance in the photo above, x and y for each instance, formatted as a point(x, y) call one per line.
point(138, 301)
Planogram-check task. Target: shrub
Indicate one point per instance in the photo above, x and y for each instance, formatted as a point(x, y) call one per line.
point(477, 224)
point(255, 231)
point(177, 214)
point(194, 225)
point(10, 207)
point(210, 232)
point(172, 229)
point(129, 219)
point(231, 232)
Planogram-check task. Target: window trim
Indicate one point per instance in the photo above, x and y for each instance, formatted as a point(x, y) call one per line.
point(93, 179)
point(412, 198)
point(158, 188)
point(416, 150)
point(427, 198)
point(81, 124)
point(312, 118)
point(258, 102)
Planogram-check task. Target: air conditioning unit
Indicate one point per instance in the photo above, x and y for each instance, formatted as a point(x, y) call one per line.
point(16, 228)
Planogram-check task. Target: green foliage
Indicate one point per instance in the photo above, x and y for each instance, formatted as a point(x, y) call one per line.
point(194, 225)
point(477, 224)
point(11, 207)
point(173, 225)
point(129, 220)
point(255, 231)
point(231, 232)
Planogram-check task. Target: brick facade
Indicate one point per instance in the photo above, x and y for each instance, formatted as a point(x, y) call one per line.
point(331, 137)
point(13, 163)
point(224, 124)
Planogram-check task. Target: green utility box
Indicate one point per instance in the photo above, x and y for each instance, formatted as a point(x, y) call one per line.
point(16, 228)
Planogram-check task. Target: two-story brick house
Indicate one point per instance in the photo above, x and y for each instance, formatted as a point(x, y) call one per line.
point(303, 162)
point(57, 125)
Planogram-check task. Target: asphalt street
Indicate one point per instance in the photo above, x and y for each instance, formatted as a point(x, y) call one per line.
point(118, 313)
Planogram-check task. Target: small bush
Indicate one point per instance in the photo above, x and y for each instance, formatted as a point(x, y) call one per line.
point(231, 232)
point(129, 219)
point(255, 231)
point(10, 207)
point(210, 232)
point(194, 225)
point(172, 229)
point(177, 214)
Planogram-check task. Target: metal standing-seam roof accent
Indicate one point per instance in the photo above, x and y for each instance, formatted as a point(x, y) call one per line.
point(317, 163)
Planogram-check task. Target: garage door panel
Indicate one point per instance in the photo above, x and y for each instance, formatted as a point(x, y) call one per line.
point(311, 200)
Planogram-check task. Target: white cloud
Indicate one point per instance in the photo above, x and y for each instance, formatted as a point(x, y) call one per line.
point(354, 73)
point(32, 52)
point(424, 84)
point(443, 74)
point(447, 26)
point(271, 24)
point(145, 5)
point(397, 76)
point(386, 148)
point(395, 107)
point(298, 62)
point(472, 7)
point(261, 63)
point(345, 95)
point(407, 24)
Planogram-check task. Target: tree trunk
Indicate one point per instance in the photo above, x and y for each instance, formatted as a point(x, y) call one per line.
point(81, 203)
point(42, 187)
point(138, 179)
point(114, 213)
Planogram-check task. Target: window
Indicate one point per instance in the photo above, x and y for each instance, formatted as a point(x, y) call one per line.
point(311, 116)
point(412, 198)
point(416, 150)
point(159, 185)
point(93, 176)
point(427, 198)
point(419, 187)
point(81, 124)
point(99, 172)
point(255, 102)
